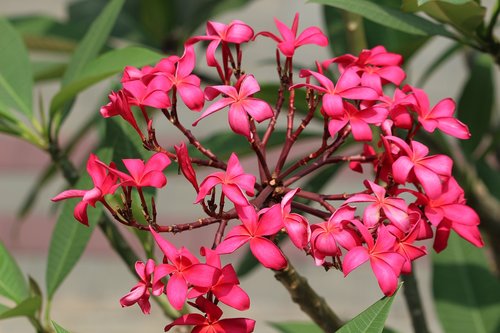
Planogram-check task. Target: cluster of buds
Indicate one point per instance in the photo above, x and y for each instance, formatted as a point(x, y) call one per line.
point(408, 195)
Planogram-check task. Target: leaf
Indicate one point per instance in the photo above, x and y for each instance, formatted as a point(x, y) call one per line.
point(16, 79)
point(46, 70)
point(467, 294)
point(463, 15)
point(389, 17)
point(477, 100)
point(296, 327)
point(12, 282)
point(87, 50)
point(372, 319)
point(58, 328)
point(70, 237)
point(106, 65)
point(27, 308)
point(394, 40)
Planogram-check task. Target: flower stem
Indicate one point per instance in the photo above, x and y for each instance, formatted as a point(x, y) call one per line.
point(414, 303)
point(308, 300)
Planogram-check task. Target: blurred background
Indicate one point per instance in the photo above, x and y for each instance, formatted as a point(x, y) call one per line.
point(88, 299)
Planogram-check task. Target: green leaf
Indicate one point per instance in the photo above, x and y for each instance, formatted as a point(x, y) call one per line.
point(296, 327)
point(47, 70)
point(58, 328)
point(108, 64)
point(465, 16)
point(371, 320)
point(16, 79)
point(389, 17)
point(27, 308)
point(87, 50)
point(12, 282)
point(70, 237)
point(467, 294)
point(477, 100)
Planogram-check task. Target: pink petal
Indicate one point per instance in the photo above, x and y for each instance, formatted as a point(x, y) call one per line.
point(220, 104)
point(248, 87)
point(394, 74)
point(386, 277)
point(154, 179)
point(235, 194)
point(187, 319)
point(354, 258)
point(238, 32)
point(207, 184)
point(270, 222)
point(335, 125)
point(454, 127)
point(333, 105)
point(361, 131)
point(237, 325)
point(177, 291)
point(68, 194)
point(202, 275)
point(80, 212)
point(258, 109)
point(238, 120)
point(233, 296)
point(360, 93)
point(267, 253)
point(298, 230)
point(192, 96)
point(440, 164)
point(166, 247)
point(231, 244)
point(401, 169)
point(312, 35)
point(429, 180)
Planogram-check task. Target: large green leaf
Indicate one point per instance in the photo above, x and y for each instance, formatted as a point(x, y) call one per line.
point(477, 100)
point(376, 34)
point(371, 320)
point(87, 50)
point(467, 294)
point(16, 79)
point(12, 282)
point(106, 65)
point(465, 16)
point(296, 327)
point(389, 17)
point(58, 328)
point(70, 237)
point(27, 308)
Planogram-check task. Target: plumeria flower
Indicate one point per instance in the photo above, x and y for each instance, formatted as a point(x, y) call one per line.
point(143, 174)
point(236, 32)
point(140, 292)
point(405, 244)
point(395, 209)
point(186, 83)
point(211, 322)
point(429, 170)
point(226, 289)
point(254, 229)
point(153, 94)
point(295, 224)
point(184, 270)
point(347, 87)
point(327, 236)
point(377, 67)
point(449, 212)
point(241, 104)
point(118, 106)
point(385, 262)
point(358, 119)
point(104, 183)
point(440, 116)
point(289, 41)
point(185, 165)
point(233, 182)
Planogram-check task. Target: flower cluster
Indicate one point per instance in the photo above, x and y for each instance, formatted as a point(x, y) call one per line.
point(409, 194)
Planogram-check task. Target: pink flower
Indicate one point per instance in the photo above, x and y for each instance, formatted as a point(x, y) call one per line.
point(328, 235)
point(358, 119)
point(144, 174)
point(118, 106)
point(153, 94)
point(347, 87)
point(385, 262)
point(295, 224)
point(440, 116)
point(211, 322)
point(404, 245)
point(103, 184)
point(226, 289)
point(140, 292)
point(427, 169)
point(395, 209)
point(448, 211)
point(187, 84)
point(289, 41)
point(377, 67)
point(185, 270)
point(253, 229)
point(185, 164)
point(240, 103)
point(233, 182)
